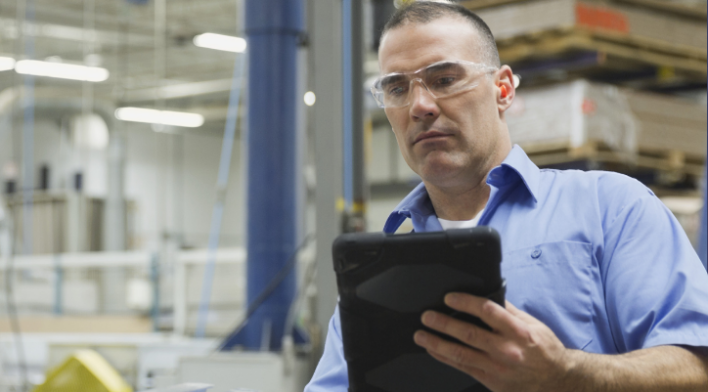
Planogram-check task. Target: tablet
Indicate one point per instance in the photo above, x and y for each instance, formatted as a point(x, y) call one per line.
point(387, 281)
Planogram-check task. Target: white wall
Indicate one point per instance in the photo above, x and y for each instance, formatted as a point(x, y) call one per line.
point(161, 202)
point(172, 196)
point(149, 179)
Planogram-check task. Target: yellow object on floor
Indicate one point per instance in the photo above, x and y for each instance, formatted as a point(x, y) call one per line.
point(84, 371)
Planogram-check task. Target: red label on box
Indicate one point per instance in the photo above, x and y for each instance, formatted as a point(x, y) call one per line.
point(600, 18)
point(589, 106)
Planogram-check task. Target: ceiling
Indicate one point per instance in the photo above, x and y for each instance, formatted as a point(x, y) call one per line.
point(147, 68)
point(143, 65)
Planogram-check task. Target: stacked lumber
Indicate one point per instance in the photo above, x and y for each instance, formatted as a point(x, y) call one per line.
point(580, 119)
point(546, 27)
point(654, 44)
point(614, 18)
point(691, 8)
point(669, 123)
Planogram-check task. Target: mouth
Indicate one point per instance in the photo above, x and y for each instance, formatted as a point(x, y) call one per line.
point(430, 135)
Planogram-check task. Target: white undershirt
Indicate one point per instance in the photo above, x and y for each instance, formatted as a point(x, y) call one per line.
point(448, 224)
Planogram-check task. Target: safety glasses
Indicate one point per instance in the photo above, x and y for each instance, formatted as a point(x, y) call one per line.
point(441, 79)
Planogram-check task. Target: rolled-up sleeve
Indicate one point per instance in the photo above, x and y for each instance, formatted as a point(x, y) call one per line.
point(331, 373)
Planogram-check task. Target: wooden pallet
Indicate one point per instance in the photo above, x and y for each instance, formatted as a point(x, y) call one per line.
point(667, 161)
point(481, 4)
point(697, 11)
point(610, 47)
point(624, 38)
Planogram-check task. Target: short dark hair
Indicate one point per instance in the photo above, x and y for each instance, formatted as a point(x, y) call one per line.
point(427, 11)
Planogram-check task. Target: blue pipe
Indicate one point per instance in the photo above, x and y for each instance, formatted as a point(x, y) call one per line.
point(273, 29)
point(221, 186)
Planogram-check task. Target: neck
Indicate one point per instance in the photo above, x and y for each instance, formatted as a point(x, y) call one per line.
point(465, 200)
point(460, 203)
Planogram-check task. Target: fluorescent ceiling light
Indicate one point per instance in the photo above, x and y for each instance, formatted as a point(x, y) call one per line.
point(220, 42)
point(61, 70)
point(7, 63)
point(67, 32)
point(178, 90)
point(165, 117)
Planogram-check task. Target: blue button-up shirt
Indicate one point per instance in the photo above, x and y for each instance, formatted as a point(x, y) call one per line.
point(596, 256)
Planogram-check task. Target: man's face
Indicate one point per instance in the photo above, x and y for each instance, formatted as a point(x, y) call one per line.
point(448, 141)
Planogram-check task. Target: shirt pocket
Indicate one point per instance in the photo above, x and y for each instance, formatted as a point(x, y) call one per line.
point(553, 283)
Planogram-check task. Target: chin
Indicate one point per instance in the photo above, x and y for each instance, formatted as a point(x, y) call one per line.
point(439, 170)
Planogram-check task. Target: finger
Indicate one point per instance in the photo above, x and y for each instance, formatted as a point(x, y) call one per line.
point(454, 354)
point(477, 373)
point(529, 319)
point(464, 332)
point(498, 318)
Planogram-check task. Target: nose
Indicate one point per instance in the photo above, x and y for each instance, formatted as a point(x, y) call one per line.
point(423, 105)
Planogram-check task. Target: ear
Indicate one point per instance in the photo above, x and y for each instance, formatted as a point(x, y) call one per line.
point(505, 90)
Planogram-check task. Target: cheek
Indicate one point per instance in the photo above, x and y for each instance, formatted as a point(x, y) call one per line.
point(398, 127)
point(397, 119)
point(401, 144)
point(476, 117)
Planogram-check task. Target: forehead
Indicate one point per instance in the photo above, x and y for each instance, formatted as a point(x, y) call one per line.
point(414, 45)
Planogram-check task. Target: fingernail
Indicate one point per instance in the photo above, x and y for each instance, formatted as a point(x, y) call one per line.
point(452, 299)
point(420, 338)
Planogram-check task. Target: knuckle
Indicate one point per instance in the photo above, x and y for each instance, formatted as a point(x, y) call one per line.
point(514, 354)
point(470, 335)
point(488, 341)
point(517, 355)
point(488, 308)
point(527, 336)
point(458, 354)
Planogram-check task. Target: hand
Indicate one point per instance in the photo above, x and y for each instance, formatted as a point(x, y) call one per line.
point(519, 354)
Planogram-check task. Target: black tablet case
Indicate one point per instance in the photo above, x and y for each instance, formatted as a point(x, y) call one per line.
point(385, 283)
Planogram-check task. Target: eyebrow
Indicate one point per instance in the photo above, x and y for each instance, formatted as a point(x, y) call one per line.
point(441, 66)
point(391, 79)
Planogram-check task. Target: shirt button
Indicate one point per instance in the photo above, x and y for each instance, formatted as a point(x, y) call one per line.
point(536, 253)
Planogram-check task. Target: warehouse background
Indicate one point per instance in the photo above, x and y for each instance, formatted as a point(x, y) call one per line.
point(108, 221)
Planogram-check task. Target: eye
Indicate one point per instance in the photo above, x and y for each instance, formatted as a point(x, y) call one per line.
point(396, 90)
point(445, 81)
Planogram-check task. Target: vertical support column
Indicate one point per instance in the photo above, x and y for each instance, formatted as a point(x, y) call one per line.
point(155, 281)
point(58, 285)
point(114, 209)
point(326, 57)
point(179, 301)
point(355, 187)
point(273, 29)
point(703, 232)
point(113, 279)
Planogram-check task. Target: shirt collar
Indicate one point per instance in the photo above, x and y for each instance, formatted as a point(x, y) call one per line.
point(521, 168)
point(418, 207)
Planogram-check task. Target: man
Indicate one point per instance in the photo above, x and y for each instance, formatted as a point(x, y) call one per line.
point(604, 290)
